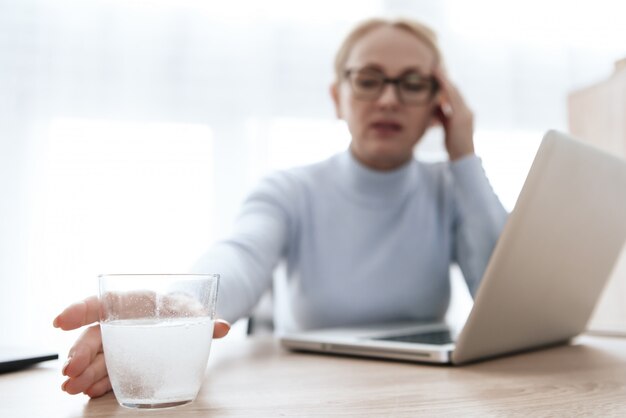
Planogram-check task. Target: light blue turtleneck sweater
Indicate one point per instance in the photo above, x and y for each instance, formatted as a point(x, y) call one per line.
point(360, 246)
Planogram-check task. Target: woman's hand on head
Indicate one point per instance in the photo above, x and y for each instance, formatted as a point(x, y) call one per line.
point(456, 118)
point(85, 367)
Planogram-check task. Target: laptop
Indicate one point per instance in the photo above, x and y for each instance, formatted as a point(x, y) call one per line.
point(17, 358)
point(544, 277)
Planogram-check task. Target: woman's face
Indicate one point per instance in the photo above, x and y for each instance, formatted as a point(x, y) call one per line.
point(385, 128)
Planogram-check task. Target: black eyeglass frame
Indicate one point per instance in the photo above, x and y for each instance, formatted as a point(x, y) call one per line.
point(434, 85)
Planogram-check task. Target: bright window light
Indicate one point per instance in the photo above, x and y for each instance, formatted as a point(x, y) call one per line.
point(120, 197)
point(273, 10)
point(294, 142)
point(507, 157)
point(590, 24)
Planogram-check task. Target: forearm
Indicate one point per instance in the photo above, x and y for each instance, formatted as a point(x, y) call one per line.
point(242, 280)
point(480, 218)
point(246, 260)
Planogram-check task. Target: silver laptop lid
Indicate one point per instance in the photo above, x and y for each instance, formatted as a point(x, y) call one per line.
point(555, 254)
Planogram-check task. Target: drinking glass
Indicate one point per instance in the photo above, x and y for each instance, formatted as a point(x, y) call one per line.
point(156, 335)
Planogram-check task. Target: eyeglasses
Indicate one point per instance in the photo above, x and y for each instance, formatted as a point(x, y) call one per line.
point(412, 88)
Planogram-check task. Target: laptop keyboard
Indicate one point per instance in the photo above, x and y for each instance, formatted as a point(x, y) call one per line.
point(434, 337)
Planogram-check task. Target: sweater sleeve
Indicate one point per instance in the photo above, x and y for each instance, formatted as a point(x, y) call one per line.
point(480, 218)
point(246, 260)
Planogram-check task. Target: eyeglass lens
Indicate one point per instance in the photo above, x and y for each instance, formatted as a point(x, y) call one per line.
point(412, 87)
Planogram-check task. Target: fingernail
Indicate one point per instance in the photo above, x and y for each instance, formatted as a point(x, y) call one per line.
point(55, 323)
point(64, 384)
point(67, 363)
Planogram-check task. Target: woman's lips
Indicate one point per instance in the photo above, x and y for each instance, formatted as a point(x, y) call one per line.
point(386, 128)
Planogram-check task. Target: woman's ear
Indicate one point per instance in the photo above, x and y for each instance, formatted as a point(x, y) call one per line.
point(334, 94)
point(437, 116)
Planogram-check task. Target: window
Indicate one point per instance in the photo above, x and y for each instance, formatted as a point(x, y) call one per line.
point(118, 197)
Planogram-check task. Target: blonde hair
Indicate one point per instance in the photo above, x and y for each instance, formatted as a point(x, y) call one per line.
point(421, 31)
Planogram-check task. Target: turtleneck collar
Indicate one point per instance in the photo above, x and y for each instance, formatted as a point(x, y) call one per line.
point(374, 187)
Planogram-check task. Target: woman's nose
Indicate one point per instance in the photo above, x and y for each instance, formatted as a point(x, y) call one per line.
point(389, 96)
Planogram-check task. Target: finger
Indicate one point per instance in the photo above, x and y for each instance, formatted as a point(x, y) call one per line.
point(435, 120)
point(99, 388)
point(221, 328)
point(451, 94)
point(129, 305)
point(446, 111)
point(83, 352)
point(94, 373)
point(442, 78)
point(78, 314)
point(439, 118)
point(444, 107)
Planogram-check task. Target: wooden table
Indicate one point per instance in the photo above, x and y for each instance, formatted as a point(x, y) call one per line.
point(256, 378)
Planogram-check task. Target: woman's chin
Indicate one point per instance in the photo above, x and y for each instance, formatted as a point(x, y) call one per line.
point(381, 160)
point(382, 154)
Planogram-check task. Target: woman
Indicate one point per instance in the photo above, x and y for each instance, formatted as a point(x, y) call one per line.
point(369, 234)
